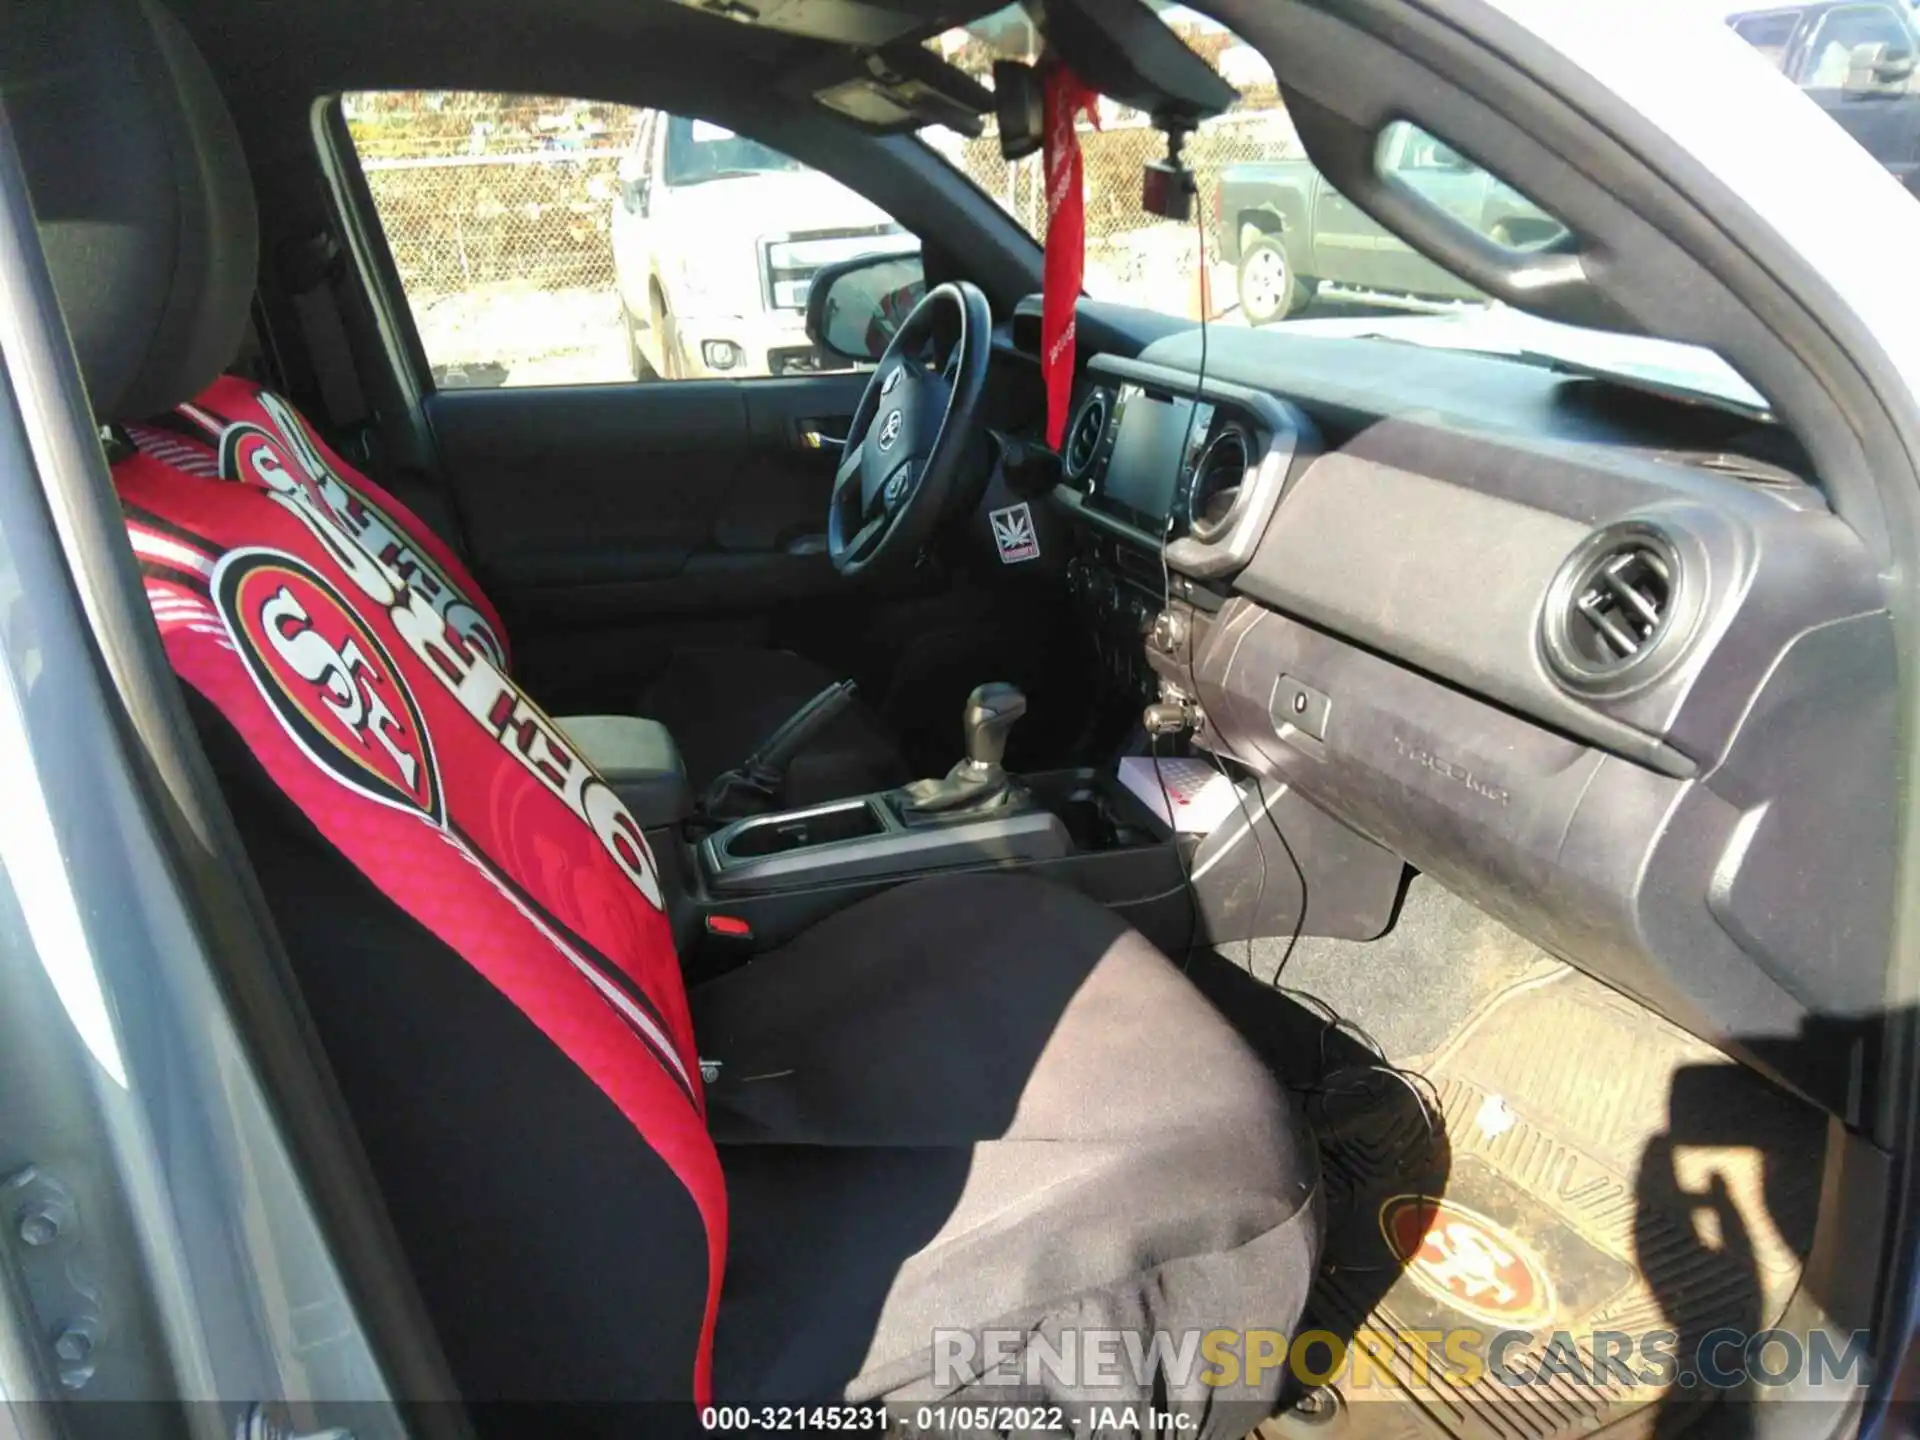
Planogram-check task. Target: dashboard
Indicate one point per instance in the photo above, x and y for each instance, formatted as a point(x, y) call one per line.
point(1194, 465)
point(1605, 664)
point(1170, 480)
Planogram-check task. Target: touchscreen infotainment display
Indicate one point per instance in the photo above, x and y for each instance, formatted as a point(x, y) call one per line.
point(1153, 447)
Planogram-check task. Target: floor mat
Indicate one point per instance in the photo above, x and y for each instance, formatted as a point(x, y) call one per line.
point(1564, 1163)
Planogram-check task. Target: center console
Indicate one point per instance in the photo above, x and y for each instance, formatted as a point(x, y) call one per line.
point(1167, 486)
point(867, 838)
point(752, 881)
point(1188, 471)
point(759, 881)
point(976, 814)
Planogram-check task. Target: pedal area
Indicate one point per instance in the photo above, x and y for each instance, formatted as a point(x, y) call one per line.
point(1684, 1204)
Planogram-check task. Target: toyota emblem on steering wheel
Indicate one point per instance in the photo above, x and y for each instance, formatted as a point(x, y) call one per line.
point(890, 429)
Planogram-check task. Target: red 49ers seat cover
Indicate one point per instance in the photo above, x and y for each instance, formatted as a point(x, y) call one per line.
point(359, 662)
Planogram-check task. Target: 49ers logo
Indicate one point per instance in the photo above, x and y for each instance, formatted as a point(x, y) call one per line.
point(248, 452)
point(1465, 1260)
point(288, 465)
point(328, 678)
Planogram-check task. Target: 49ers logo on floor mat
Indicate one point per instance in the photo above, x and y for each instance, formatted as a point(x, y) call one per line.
point(328, 678)
point(1467, 1261)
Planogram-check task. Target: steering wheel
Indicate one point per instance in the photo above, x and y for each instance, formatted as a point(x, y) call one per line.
point(908, 441)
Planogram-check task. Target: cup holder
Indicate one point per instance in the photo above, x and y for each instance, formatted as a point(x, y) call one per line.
point(778, 834)
point(1098, 814)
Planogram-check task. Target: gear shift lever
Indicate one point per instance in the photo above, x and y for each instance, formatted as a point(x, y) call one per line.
point(991, 710)
point(978, 782)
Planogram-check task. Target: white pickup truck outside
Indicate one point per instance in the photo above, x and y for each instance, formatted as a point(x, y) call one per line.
point(716, 239)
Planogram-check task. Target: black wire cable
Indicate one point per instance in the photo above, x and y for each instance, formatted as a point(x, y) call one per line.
point(1194, 936)
point(1418, 1085)
point(1179, 855)
point(1204, 287)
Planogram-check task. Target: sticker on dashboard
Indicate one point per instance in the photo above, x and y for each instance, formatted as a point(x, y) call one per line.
point(1014, 535)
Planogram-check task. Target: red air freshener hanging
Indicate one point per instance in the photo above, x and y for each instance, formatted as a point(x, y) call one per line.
point(1066, 99)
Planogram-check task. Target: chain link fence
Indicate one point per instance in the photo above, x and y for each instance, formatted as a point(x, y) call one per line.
point(478, 189)
point(539, 220)
point(498, 212)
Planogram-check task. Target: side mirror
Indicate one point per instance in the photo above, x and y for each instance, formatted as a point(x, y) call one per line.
point(633, 184)
point(1878, 68)
point(855, 306)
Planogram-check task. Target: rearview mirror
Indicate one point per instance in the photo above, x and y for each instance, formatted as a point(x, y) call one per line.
point(1019, 108)
point(855, 306)
point(1878, 69)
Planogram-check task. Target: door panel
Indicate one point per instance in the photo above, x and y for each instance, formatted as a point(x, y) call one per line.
point(612, 523)
point(544, 249)
point(1345, 238)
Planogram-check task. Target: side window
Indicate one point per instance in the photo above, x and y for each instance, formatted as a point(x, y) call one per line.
point(545, 241)
point(1830, 56)
point(1769, 34)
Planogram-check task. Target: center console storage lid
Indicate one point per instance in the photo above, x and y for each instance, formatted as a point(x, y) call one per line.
point(639, 759)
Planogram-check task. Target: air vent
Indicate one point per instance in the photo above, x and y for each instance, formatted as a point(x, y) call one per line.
point(1610, 612)
point(1219, 482)
point(1084, 436)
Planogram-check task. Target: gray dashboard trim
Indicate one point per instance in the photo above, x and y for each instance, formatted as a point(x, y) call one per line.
point(1075, 504)
point(1443, 578)
point(1695, 896)
point(1289, 439)
point(1438, 545)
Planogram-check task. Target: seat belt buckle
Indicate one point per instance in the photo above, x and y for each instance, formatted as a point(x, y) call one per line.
point(732, 929)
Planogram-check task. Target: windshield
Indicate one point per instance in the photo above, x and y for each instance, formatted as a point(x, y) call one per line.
point(699, 150)
point(1277, 244)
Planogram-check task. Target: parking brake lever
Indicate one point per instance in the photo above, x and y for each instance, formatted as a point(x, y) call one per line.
point(754, 785)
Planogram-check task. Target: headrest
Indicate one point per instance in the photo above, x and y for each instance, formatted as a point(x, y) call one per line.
point(141, 190)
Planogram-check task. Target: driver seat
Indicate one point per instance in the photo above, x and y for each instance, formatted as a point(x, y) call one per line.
point(718, 704)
